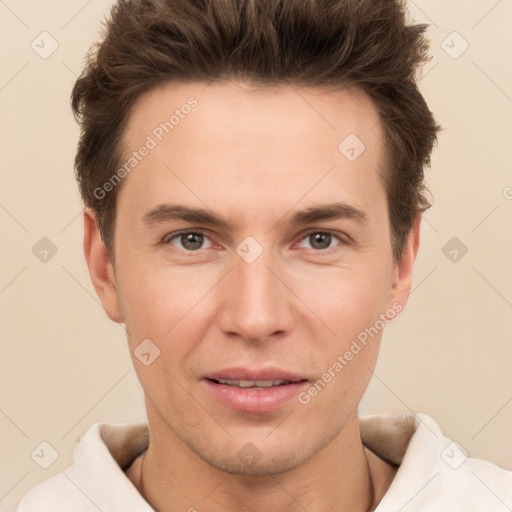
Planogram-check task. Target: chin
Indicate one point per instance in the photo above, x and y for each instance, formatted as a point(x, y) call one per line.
point(242, 463)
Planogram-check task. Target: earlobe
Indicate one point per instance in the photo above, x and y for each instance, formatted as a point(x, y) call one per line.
point(403, 274)
point(100, 267)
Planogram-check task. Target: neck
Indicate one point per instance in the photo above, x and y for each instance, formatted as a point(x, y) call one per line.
point(343, 476)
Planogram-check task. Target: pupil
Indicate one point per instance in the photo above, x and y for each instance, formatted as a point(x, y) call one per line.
point(188, 240)
point(322, 238)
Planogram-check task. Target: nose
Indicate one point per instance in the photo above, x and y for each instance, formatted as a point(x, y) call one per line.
point(258, 303)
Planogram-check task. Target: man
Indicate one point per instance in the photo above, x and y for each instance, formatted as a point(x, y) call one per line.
point(252, 172)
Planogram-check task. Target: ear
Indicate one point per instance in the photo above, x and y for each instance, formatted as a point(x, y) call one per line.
point(100, 267)
point(403, 272)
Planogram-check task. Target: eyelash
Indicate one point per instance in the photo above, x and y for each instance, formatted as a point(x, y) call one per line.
point(171, 236)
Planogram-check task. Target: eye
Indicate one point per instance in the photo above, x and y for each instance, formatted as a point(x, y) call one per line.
point(321, 240)
point(188, 240)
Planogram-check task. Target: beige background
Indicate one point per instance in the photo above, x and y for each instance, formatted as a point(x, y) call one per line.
point(65, 366)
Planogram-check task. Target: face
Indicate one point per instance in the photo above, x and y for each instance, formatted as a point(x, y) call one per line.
point(252, 243)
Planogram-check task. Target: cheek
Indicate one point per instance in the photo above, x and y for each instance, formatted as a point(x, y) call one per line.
point(157, 301)
point(353, 309)
point(346, 300)
point(351, 304)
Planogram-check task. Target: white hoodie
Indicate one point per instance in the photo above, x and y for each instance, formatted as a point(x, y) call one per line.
point(434, 474)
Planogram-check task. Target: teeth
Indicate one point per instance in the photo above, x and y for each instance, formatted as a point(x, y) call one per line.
point(252, 383)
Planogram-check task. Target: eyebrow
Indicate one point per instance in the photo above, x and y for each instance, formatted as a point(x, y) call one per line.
point(330, 211)
point(169, 212)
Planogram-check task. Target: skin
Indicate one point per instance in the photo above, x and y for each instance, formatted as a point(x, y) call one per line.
point(253, 157)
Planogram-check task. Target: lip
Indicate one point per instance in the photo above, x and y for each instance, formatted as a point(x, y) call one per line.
point(239, 373)
point(254, 400)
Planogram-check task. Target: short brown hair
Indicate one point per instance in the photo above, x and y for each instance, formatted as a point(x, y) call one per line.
point(337, 44)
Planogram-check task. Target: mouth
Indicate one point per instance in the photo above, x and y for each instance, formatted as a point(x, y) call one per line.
point(254, 391)
point(255, 384)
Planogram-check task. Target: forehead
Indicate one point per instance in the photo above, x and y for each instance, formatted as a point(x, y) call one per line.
point(230, 143)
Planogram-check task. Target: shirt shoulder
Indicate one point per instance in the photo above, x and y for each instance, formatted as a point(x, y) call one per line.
point(435, 473)
point(55, 494)
point(96, 480)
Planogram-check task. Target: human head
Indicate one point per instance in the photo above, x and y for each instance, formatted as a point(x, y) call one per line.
point(261, 153)
point(323, 43)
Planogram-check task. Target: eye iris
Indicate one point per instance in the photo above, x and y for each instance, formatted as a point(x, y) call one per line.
point(195, 239)
point(324, 240)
